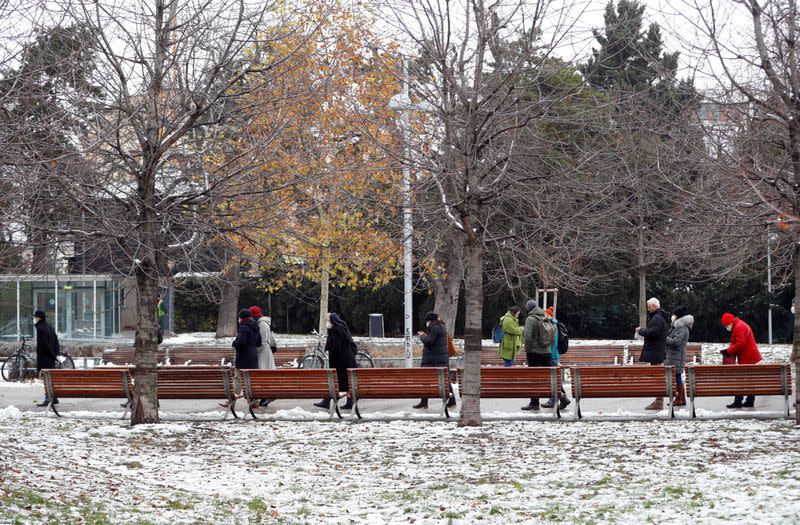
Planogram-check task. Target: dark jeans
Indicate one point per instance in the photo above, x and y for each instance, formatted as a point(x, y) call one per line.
point(538, 360)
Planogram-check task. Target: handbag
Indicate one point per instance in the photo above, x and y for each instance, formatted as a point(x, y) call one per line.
point(451, 348)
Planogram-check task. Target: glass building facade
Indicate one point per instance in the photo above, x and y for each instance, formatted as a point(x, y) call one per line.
point(78, 306)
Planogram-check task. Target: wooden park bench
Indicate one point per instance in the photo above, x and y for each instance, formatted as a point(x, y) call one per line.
point(111, 382)
point(399, 383)
point(291, 383)
point(621, 382)
point(732, 380)
point(197, 382)
point(127, 356)
point(694, 353)
point(200, 355)
point(519, 382)
point(593, 355)
point(577, 355)
point(287, 355)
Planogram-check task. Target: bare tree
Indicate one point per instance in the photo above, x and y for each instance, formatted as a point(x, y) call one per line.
point(155, 194)
point(750, 49)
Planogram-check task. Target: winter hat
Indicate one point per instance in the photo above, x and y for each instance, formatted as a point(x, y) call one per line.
point(531, 304)
point(256, 311)
point(679, 312)
point(431, 316)
point(549, 311)
point(245, 314)
point(727, 318)
point(39, 313)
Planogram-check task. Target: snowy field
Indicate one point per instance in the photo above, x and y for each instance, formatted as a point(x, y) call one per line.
point(102, 471)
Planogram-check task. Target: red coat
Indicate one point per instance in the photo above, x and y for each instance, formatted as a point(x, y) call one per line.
point(743, 344)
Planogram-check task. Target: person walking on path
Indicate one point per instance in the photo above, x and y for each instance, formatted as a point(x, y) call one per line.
point(247, 341)
point(434, 351)
point(538, 335)
point(47, 348)
point(743, 349)
point(677, 339)
point(511, 343)
point(654, 349)
point(341, 355)
point(266, 360)
point(555, 357)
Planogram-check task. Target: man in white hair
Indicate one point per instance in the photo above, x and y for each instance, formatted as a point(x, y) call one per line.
point(654, 349)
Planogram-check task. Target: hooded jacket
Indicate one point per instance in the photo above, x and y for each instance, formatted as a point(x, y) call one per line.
point(265, 358)
point(677, 339)
point(511, 343)
point(246, 344)
point(743, 343)
point(434, 345)
point(531, 333)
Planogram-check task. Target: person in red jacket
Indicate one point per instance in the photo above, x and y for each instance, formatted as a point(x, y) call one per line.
point(743, 348)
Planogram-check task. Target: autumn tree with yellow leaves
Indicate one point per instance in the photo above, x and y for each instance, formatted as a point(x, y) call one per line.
point(332, 213)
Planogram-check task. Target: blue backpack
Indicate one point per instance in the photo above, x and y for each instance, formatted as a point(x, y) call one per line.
point(497, 333)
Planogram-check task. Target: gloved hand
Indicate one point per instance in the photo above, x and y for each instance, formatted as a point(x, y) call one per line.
point(273, 348)
point(724, 352)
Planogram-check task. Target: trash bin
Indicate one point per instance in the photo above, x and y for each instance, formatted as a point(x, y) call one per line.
point(376, 325)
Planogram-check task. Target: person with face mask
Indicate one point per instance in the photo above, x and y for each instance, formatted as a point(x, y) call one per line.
point(743, 349)
point(341, 356)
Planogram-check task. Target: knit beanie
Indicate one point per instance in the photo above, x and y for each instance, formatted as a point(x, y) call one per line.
point(245, 314)
point(727, 318)
point(531, 304)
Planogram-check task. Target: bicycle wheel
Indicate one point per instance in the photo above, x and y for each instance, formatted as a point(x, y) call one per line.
point(363, 360)
point(312, 361)
point(28, 369)
point(64, 361)
point(11, 368)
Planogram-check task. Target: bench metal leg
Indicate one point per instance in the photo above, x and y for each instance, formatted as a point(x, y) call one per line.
point(355, 407)
point(52, 407)
point(578, 414)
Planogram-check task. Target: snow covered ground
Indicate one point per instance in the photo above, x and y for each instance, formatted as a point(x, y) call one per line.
point(102, 471)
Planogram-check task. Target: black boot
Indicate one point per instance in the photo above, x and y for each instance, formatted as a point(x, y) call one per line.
point(325, 403)
point(265, 402)
point(737, 402)
point(348, 405)
point(550, 403)
point(564, 403)
point(451, 402)
point(423, 403)
point(749, 402)
point(45, 402)
point(533, 405)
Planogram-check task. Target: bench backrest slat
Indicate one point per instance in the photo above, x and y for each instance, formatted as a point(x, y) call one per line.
point(91, 383)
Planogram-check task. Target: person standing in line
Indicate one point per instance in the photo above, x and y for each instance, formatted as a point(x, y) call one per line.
point(677, 339)
point(341, 355)
point(744, 349)
point(247, 341)
point(434, 351)
point(555, 357)
point(511, 343)
point(47, 348)
point(536, 352)
point(654, 349)
point(266, 359)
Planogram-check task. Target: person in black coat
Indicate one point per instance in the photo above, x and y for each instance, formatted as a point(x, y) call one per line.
point(654, 349)
point(434, 351)
point(47, 347)
point(247, 341)
point(341, 355)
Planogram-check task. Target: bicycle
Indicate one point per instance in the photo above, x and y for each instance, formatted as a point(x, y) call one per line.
point(20, 366)
point(318, 358)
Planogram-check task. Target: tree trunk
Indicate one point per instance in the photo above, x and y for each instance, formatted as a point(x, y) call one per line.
point(324, 284)
point(144, 405)
point(227, 318)
point(447, 289)
point(796, 341)
point(642, 283)
point(471, 394)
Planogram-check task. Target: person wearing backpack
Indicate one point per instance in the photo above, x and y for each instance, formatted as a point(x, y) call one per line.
point(538, 335)
point(555, 356)
point(511, 343)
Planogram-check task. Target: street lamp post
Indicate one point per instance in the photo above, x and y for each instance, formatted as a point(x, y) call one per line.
point(402, 103)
